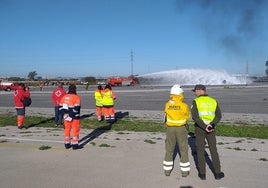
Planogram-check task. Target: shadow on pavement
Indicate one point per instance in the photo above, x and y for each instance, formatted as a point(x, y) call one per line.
point(99, 131)
point(94, 134)
point(120, 115)
point(41, 122)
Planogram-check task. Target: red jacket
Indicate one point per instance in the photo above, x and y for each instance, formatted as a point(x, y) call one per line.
point(19, 94)
point(57, 94)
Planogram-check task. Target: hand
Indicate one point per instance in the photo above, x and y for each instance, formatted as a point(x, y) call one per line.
point(209, 128)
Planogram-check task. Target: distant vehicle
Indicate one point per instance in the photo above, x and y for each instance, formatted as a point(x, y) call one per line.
point(121, 81)
point(101, 83)
point(84, 83)
point(8, 86)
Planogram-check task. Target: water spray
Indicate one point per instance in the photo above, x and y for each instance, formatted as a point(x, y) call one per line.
point(191, 77)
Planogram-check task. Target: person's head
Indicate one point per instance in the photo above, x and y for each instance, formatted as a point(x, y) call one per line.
point(108, 87)
point(60, 85)
point(176, 90)
point(22, 85)
point(72, 89)
point(100, 87)
point(199, 89)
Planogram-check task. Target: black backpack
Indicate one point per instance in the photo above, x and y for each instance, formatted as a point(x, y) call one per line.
point(27, 101)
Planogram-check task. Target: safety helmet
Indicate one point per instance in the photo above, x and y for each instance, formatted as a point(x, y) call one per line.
point(176, 90)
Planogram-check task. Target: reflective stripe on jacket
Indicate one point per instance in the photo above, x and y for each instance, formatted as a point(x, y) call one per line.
point(206, 107)
point(70, 104)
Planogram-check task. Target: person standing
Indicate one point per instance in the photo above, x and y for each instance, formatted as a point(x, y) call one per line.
point(41, 86)
point(19, 94)
point(206, 114)
point(56, 96)
point(70, 105)
point(98, 95)
point(177, 113)
point(108, 104)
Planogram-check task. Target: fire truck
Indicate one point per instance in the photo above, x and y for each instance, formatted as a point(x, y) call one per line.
point(8, 86)
point(121, 81)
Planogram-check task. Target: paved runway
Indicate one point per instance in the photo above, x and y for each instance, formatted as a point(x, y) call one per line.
point(240, 104)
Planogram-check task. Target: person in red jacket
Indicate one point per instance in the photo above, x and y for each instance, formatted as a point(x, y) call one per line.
point(56, 96)
point(19, 94)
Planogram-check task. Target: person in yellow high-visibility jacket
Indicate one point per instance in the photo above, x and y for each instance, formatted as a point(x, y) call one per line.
point(98, 95)
point(108, 104)
point(177, 114)
point(206, 114)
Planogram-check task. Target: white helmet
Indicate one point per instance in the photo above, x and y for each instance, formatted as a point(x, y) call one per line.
point(176, 90)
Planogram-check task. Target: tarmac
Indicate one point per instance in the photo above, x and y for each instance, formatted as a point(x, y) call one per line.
point(111, 159)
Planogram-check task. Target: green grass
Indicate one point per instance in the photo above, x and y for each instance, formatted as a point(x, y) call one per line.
point(128, 124)
point(44, 147)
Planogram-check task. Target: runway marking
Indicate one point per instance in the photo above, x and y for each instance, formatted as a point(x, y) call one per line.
point(17, 145)
point(33, 140)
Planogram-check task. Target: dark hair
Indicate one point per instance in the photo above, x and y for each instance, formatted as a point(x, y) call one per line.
point(72, 89)
point(100, 87)
point(199, 87)
point(21, 84)
point(108, 87)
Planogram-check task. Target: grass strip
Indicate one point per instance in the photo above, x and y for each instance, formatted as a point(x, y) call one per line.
point(128, 124)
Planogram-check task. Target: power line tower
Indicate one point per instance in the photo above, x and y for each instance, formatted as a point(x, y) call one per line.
point(131, 58)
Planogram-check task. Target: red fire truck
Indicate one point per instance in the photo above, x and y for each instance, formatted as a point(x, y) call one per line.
point(8, 86)
point(121, 81)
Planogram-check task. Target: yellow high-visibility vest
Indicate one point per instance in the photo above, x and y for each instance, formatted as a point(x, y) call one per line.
point(107, 99)
point(98, 97)
point(206, 107)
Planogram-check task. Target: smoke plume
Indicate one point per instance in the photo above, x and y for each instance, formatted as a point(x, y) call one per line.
point(234, 26)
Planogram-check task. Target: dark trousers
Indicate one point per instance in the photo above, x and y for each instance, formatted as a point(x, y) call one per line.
point(58, 116)
point(201, 136)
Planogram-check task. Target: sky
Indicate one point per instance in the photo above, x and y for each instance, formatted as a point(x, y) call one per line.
point(102, 38)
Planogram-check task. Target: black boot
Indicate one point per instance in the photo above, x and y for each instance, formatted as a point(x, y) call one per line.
point(202, 176)
point(219, 176)
point(67, 146)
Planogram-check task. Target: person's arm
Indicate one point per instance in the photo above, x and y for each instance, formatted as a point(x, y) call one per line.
point(217, 116)
point(195, 117)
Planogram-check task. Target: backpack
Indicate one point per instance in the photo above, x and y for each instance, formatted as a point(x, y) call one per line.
point(27, 101)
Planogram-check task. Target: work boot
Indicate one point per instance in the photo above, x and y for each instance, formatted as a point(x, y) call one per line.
point(67, 146)
point(219, 176)
point(76, 146)
point(21, 127)
point(202, 176)
point(167, 172)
